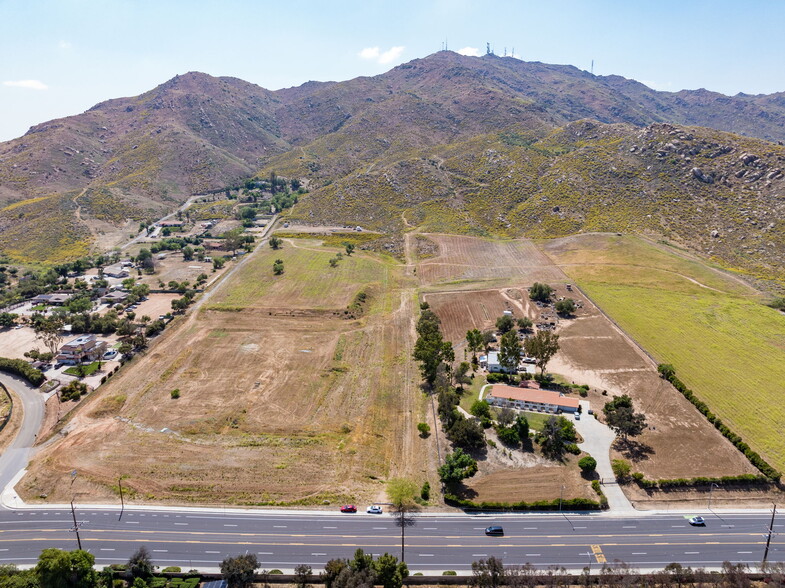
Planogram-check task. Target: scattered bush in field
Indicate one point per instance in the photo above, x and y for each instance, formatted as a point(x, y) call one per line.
point(425, 491)
point(175, 393)
point(587, 464)
point(424, 429)
point(565, 307)
point(621, 469)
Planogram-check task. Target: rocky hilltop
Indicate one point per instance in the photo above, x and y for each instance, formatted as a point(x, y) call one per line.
point(487, 145)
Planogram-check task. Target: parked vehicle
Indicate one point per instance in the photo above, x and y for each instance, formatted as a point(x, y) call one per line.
point(348, 508)
point(374, 509)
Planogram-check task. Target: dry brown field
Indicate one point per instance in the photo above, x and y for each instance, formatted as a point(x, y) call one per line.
point(312, 409)
point(474, 259)
point(462, 310)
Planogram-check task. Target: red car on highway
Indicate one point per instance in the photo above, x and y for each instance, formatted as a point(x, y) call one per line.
point(348, 508)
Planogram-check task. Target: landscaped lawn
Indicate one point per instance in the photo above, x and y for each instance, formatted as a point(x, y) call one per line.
point(87, 370)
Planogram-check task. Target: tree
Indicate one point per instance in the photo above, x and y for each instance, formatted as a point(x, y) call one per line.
point(424, 429)
point(8, 319)
point(565, 307)
point(510, 352)
point(552, 439)
point(542, 347)
point(349, 247)
point(302, 575)
point(474, 343)
point(278, 267)
point(508, 435)
point(333, 262)
point(666, 370)
point(239, 571)
point(140, 565)
point(66, 569)
point(73, 391)
point(402, 493)
point(462, 374)
point(540, 292)
point(488, 573)
point(587, 464)
point(431, 350)
point(466, 433)
point(505, 323)
point(218, 263)
point(481, 409)
point(622, 418)
point(50, 332)
point(233, 240)
point(506, 417)
point(522, 424)
point(457, 466)
point(188, 253)
point(525, 323)
point(275, 242)
point(389, 572)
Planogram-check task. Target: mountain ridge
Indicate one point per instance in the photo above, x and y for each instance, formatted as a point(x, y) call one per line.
point(132, 158)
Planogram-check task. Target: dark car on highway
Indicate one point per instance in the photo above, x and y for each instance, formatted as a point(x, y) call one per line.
point(494, 530)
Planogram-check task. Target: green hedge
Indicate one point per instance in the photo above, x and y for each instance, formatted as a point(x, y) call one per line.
point(742, 480)
point(572, 503)
point(667, 372)
point(21, 368)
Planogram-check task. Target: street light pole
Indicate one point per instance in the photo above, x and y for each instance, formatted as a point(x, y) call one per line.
point(768, 539)
point(76, 526)
point(122, 502)
point(711, 489)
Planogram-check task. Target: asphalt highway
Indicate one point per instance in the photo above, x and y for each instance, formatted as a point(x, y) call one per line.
point(434, 544)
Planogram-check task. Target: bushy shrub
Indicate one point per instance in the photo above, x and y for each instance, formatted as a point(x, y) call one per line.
point(21, 368)
point(587, 464)
point(449, 573)
point(175, 393)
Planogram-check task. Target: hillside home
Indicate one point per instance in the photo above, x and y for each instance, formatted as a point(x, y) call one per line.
point(82, 349)
point(491, 363)
point(170, 223)
point(531, 399)
point(56, 299)
point(116, 271)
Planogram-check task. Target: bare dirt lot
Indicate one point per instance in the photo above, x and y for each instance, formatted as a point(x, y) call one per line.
point(307, 409)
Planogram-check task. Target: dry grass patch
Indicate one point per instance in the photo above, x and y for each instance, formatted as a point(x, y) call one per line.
point(306, 409)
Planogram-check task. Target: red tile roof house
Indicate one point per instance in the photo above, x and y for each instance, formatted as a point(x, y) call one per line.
point(81, 349)
point(530, 399)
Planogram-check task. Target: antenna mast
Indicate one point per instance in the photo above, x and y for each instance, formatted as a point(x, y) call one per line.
point(592, 67)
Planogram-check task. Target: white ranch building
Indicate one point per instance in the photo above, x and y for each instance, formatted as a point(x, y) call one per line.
point(531, 399)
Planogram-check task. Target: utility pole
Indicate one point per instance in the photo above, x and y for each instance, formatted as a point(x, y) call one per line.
point(713, 486)
point(122, 502)
point(76, 526)
point(768, 539)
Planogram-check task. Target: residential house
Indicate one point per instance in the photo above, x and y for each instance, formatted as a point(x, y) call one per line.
point(56, 299)
point(531, 399)
point(116, 271)
point(84, 348)
point(114, 297)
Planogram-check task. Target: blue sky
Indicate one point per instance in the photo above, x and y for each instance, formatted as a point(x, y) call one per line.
point(60, 57)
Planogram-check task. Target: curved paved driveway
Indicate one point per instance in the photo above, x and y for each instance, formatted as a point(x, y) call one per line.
point(597, 441)
point(17, 454)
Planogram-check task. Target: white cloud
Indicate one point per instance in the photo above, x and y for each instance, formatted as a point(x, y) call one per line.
point(369, 53)
point(470, 51)
point(29, 84)
point(391, 55)
point(65, 45)
point(375, 54)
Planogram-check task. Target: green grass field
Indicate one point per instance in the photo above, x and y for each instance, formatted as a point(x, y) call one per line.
point(308, 280)
point(724, 343)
